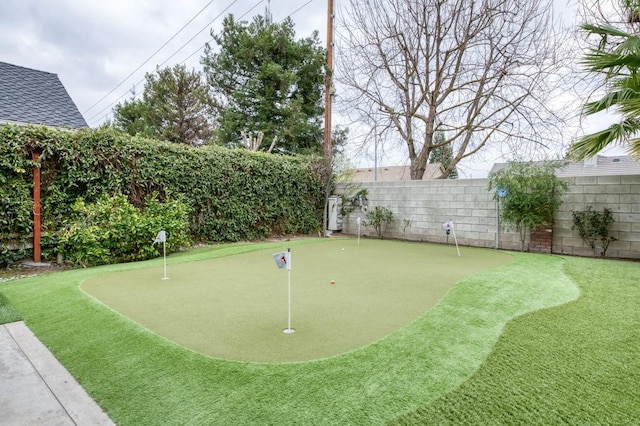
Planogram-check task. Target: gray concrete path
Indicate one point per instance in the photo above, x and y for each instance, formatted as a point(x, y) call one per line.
point(35, 389)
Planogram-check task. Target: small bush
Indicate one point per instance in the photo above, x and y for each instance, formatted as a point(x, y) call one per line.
point(593, 228)
point(112, 230)
point(530, 195)
point(379, 218)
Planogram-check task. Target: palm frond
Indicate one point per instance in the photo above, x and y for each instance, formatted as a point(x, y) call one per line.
point(609, 100)
point(590, 145)
point(600, 61)
point(604, 30)
point(634, 148)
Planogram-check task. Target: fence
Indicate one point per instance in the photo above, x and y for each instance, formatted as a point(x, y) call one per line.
point(421, 207)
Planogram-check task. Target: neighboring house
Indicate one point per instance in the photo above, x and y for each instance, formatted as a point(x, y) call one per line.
point(395, 173)
point(599, 165)
point(29, 96)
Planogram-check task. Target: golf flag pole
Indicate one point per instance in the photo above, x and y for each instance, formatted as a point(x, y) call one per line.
point(164, 260)
point(453, 228)
point(289, 330)
point(449, 228)
point(162, 238)
point(283, 260)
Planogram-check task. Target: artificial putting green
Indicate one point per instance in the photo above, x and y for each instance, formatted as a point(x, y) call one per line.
point(236, 307)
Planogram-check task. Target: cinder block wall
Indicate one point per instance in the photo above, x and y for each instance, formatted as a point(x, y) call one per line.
point(421, 207)
point(619, 193)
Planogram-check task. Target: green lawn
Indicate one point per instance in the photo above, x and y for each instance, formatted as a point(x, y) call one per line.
point(7, 311)
point(484, 354)
point(574, 364)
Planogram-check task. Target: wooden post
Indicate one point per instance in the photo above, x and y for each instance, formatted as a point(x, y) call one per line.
point(36, 210)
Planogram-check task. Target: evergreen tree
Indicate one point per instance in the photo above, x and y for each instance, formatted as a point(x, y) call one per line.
point(175, 107)
point(264, 80)
point(443, 153)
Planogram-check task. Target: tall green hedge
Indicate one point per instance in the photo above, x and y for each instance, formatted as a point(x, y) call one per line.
point(234, 194)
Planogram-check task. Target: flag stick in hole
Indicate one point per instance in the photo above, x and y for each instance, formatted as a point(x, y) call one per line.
point(162, 238)
point(283, 260)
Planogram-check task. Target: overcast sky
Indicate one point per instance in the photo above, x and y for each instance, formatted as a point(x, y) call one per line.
point(96, 47)
point(93, 46)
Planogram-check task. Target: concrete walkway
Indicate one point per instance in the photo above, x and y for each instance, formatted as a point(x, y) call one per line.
point(35, 389)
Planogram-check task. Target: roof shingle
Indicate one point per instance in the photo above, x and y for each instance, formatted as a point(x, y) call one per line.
point(29, 96)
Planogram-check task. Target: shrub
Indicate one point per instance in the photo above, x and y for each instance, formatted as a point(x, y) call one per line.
point(233, 194)
point(112, 230)
point(593, 228)
point(15, 216)
point(379, 218)
point(529, 195)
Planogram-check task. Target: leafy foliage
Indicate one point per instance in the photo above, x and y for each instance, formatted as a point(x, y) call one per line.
point(593, 228)
point(233, 194)
point(379, 218)
point(442, 153)
point(266, 81)
point(131, 117)
point(617, 58)
point(175, 107)
point(112, 230)
point(15, 214)
point(532, 195)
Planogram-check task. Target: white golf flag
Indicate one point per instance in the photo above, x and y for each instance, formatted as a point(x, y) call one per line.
point(161, 237)
point(283, 260)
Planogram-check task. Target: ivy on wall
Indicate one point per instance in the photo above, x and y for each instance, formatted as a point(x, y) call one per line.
point(233, 194)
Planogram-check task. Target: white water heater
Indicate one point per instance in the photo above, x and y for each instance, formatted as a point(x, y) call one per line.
point(334, 221)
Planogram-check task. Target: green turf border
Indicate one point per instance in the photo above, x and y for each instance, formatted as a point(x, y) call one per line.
point(140, 378)
point(578, 363)
point(7, 312)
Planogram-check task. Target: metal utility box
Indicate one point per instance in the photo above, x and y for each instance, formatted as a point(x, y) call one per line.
point(334, 221)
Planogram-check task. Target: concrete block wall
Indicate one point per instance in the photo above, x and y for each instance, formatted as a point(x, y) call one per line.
point(621, 194)
point(426, 205)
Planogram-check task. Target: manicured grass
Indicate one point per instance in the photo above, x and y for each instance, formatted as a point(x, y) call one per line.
point(141, 378)
point(235, 307)
point(7, 311)
point(574, 364)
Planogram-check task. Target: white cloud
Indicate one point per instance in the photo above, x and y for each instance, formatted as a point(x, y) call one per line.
point(95, 45)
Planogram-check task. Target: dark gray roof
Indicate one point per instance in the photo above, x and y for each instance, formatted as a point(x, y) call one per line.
point(29, 96)
point(599, 165)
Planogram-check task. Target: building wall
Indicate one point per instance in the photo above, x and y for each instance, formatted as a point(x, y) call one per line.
point(420, 209)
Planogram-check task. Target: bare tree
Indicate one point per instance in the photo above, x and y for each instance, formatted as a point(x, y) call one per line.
point(482, 72)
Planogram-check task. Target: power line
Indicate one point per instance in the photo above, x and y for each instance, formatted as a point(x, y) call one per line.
point(149, 58)
point(297, 10)
point(196, 51)
point(211, 39)
point(165, 61)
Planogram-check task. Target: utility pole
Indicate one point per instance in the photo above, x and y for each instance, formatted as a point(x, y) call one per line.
point(267, 12)
point(328, 84)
